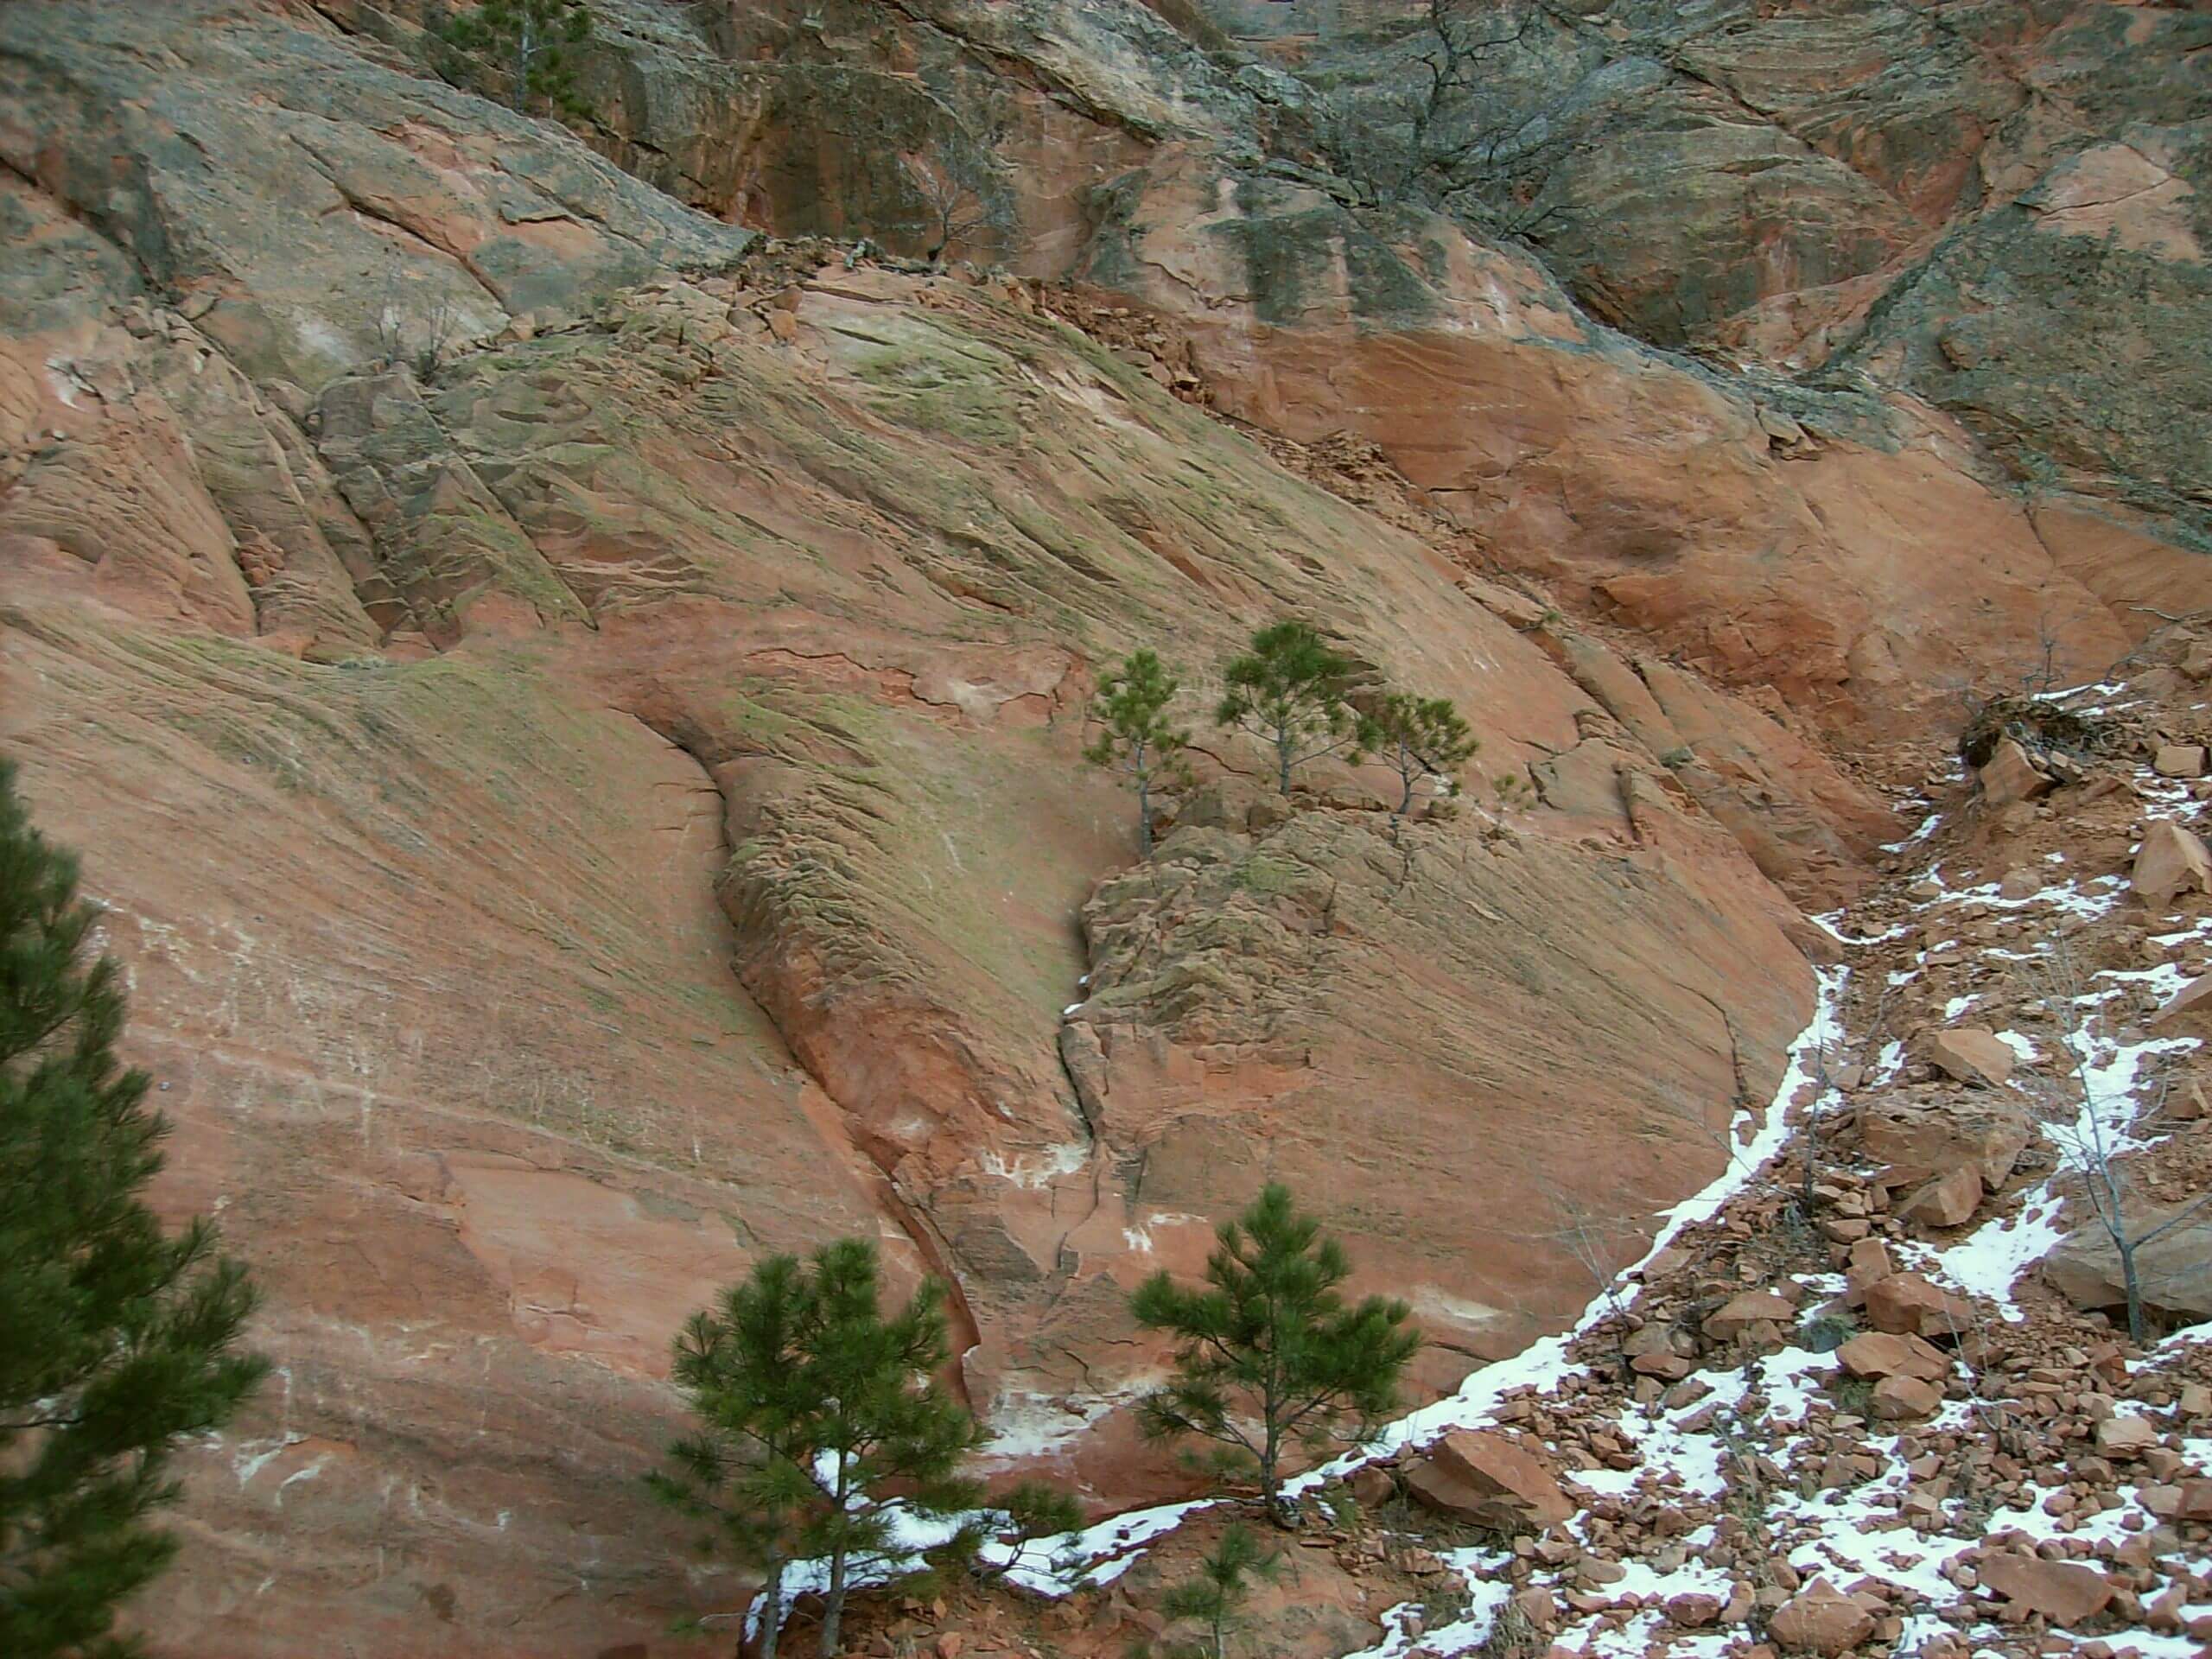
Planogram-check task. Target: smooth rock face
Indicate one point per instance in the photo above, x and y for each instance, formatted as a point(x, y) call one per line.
point(610, 807)
point(1973, 1054)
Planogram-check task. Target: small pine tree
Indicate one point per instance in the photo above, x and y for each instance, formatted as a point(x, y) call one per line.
point(884, 1419)
point(1290, 688)
point(532, 47)
point(1218, 1593)
point(1138, 738)
point(1269, 1355)
point(814, 1406)
point(1420, 739)
point(748, 1469)
point(116, 1339)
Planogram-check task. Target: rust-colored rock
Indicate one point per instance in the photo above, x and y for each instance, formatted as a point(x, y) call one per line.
point(1905, 1303)
point(2009, 775)
point(1900, 1398)
point(1739, 1313)
point(1972, 1054)
point(1821, 1619)
point(1877, 1354)
point(2065, 1592)
point(1983, 1132)
point(1949, 1200)
point(1484, 1477)
point(2171, 861)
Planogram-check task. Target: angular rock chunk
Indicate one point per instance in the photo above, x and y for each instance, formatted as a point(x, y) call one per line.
point(2171, 861)
point(1481, 1476)
point(2065, 1592)
point(1821, 1618)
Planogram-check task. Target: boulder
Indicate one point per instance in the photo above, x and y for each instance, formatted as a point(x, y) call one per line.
point(2194, 1502)
point(1741, 1314)
point(1539, 1606)
point(1897, 1398)
point(1972, 1054)
point(2009, 775)
point(1905, 1303)
point(1693, 1611)
point(2125, 1437)
point(1949, 1200)
point(2065, 1592)
point(1878, 1354)
point(1867, 1265)
point(2173, 1272)
point(1481, 1476)
point(2179, 760)
point(2171, 861)
point(1821, 1618)
point(1939, 1132)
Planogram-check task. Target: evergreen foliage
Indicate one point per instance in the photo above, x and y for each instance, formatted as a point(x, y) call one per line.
point(813, 1404)
point(1033, 1512)
point(531, 48)
point(1423, 740)
point(117, 1339)
point(1224, 1584)
point(1268, 1354)
point(1290, 688)
point(1138, 738)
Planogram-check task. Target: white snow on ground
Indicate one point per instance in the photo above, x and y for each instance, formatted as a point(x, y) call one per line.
point(1927, 829)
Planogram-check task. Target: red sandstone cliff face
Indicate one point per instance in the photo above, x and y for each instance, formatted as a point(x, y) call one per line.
point(597, 799)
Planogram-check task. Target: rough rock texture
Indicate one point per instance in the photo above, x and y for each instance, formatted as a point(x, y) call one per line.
point(602, 804)
point(575, 712)
point(1925, 201)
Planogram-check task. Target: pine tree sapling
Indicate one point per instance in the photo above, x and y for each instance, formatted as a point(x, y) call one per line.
point(884, 1417)
point(118, 1339)
point(1137, 737)
point(1269, 1356)
point(813, 1405)
point(532, 46)
point(749, 1469)
point(1423, 740)
point(1290, 689)
point(1217, 1596)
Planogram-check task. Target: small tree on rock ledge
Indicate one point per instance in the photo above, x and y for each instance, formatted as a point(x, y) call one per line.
point(1290, 688)
point(1139, 738)
point(530, 47)
point(1269, 1356)
point(1424, 740)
